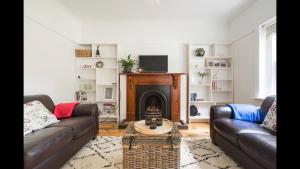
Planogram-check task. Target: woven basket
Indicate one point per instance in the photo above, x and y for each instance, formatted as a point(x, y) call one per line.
point(83, 53)
point(151, 151)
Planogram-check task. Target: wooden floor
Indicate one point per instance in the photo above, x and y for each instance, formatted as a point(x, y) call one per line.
point(195, 129)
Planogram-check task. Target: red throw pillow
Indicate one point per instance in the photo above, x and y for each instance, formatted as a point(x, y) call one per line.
point(64, 110)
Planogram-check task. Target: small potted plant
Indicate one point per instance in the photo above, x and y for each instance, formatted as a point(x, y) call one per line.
point(202, 75)
point(127, 64)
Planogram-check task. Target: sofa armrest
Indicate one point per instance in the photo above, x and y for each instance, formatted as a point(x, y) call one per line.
point(220, 111)
point(88, 110)
point(217, 112)
point(85, 110)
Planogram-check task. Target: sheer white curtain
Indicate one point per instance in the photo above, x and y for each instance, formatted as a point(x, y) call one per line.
point(267, 60)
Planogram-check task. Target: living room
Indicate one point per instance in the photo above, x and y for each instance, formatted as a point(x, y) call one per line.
point(150, 84)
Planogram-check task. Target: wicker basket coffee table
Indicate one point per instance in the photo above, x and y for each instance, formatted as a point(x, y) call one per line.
point(151, 150)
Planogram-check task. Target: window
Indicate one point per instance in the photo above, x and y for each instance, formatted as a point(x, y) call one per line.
point(267, 58)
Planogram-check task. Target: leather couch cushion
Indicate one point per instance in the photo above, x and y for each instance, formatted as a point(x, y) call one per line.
point(39, 145)
point(231, 128)
point(45, 99)
point(267, 103)
point(260, 147)
point(79, 125)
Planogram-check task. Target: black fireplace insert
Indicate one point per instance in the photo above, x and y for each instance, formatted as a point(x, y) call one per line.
point(153, 99)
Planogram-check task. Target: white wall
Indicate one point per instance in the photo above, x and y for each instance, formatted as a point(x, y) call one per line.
point(55, 16)
point(49, 43)
point(249, 20)
point(177, 53)
point(48, 63)
point(156, 37)
point(243, 33)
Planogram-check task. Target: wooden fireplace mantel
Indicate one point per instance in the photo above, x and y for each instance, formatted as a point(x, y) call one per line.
point(134, 79)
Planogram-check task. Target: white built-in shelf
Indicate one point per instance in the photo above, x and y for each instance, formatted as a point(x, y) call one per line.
point(107, 68)
point(87, 58)
point(87, 79)
point(197, 85)
point(222, 79)
point(96, 57)
point(88, 90)
point(106, 58)
point(106, 101)
point(222, 75)
point(197, 58)
point(99, 78)
point(106, 84)
point(211, 68)
point(220, 68)
point(87, 102)
point(88, 68)
point(108, 116)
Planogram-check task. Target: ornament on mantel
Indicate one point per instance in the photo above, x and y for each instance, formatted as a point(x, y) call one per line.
point(97, 52)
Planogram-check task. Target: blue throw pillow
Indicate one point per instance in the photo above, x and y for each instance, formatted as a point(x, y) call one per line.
point(248, 112)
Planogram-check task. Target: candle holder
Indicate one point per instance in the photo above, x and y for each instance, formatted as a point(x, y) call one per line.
point(159, 121)
point(153, 123)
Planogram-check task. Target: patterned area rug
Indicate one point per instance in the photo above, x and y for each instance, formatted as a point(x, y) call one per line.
point(106, 152)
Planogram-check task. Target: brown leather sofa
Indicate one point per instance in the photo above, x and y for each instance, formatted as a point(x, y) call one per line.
point(251, 145)
point(53, 146)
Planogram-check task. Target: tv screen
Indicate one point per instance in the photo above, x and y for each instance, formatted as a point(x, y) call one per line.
point(153, 63)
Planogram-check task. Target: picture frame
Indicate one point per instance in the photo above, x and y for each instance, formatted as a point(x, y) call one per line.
point(108, 93)
point(210, 63)
point(217, 64)
point(108, 108)
point(223, 63)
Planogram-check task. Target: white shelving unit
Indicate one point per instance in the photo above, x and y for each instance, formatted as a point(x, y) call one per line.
point(93, 80)
point(217, 86)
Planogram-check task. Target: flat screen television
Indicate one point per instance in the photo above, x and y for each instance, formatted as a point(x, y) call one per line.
point(154, 63)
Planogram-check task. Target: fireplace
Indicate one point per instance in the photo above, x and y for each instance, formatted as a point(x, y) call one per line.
point(153, 99)
point(153, 91)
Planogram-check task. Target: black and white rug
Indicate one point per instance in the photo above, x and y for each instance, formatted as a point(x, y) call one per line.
point(106, 152)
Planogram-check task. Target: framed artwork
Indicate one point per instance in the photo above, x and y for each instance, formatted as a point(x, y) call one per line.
point(108, 93)
point(217, 64)
point(223, 63)
point(210, 63)
point(108, 108)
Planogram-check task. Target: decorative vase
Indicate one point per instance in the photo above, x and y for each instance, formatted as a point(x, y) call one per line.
point(153, 123)
point(200, 52)
point(97, 52)
point(127, 70)
point(159, 121)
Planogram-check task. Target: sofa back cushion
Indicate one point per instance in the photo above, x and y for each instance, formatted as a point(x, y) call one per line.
point(37, 116)
point(44, 99)
point(267, 103)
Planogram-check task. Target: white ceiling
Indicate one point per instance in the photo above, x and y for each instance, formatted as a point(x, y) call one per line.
point(103, 10)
